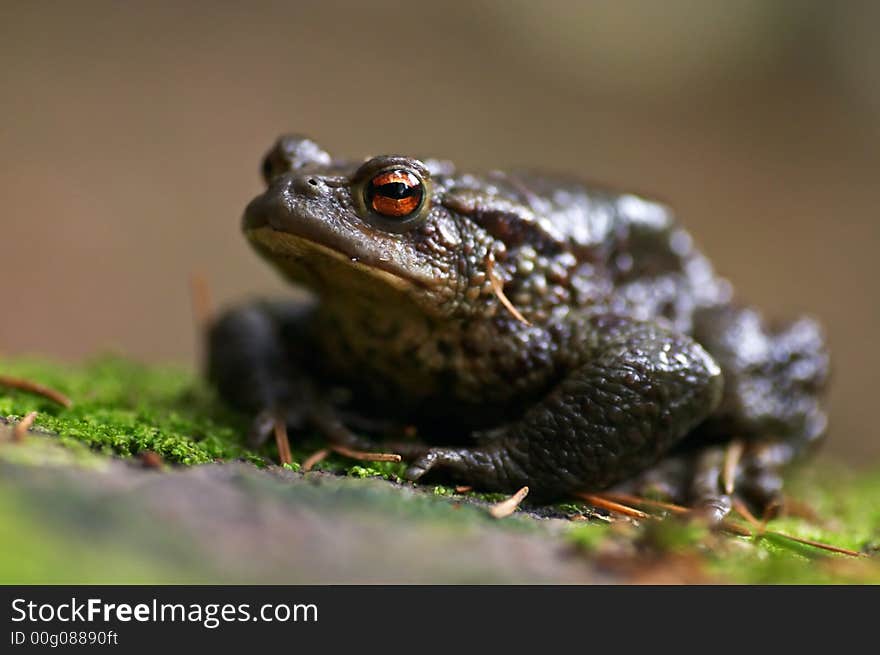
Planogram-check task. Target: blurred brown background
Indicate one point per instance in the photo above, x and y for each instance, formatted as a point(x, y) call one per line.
point(131, 136)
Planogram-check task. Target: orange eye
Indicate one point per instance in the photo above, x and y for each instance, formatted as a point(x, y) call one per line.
point(395, 193)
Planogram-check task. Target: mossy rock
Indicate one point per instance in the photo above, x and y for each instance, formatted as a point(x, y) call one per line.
point(76, 505)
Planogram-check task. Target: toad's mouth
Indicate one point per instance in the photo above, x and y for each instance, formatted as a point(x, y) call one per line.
point(313, 263)
point(321, 252)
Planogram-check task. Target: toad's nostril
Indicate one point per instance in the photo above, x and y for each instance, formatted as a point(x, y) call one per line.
point(311, 186)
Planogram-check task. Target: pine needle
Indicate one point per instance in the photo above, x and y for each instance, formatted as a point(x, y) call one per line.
point(609, 505)
point(743, 511)
point(498, 290)
point(508, 506)
point(282, 442)
point(815, 544)
point(314, 458)
point(365, 456)
point(19, 432)
point(628, 499)
point(761, 531)
point(732, 456)
point(29, 386)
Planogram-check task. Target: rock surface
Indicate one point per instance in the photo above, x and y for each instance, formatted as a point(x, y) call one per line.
point(236, 523)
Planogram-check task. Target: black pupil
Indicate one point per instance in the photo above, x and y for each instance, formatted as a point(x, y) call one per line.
point(396, 190)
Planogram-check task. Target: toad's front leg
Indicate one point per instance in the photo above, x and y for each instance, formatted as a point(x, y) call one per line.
point(260, 358)
point(638, 389)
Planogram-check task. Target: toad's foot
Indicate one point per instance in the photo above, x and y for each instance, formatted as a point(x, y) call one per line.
point(302, 415)
point(490, 467)
point(712, 479)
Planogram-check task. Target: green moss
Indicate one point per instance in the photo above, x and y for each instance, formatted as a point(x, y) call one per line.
point(847, 515)
point(570, 509)
point(50, 452)
point(386, 470)
point(125, 408)
point(672, 535)
point(587, 536)
point(485, 497)
point(358, 472)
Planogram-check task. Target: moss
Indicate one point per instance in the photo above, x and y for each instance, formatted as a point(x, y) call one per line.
point(485, 497)
point(386, 470)
point(46, 452)
point(586, 536)
point(846, 505)
point(358, 472)
point(672, 535)
point(570, 509)
point(847, 514)
point(124, 408)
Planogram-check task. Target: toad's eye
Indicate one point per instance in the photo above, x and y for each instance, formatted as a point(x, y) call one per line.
point(395, 193)
point(392, 193)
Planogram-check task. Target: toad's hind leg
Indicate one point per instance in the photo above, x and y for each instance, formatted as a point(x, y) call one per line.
point(774, 382)
point(639, 389)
